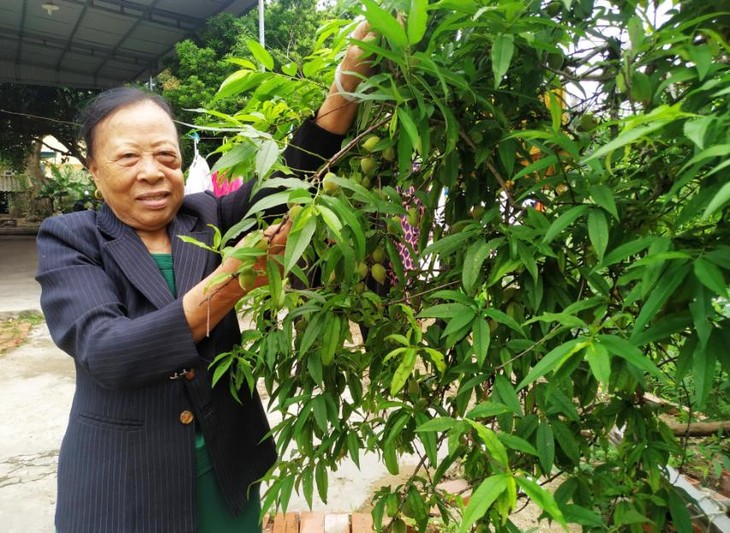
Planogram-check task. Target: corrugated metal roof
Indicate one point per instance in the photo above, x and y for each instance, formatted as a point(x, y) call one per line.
point(97, 44)
point(10, 184)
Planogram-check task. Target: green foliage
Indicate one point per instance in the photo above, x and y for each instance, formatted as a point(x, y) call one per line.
point(191, 80)
point(579, 256)
point(69, 189)
point(29, 113)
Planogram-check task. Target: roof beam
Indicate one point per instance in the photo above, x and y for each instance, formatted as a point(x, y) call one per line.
point(134, 10)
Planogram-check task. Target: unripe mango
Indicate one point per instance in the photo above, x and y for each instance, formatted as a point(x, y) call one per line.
point(378, 272)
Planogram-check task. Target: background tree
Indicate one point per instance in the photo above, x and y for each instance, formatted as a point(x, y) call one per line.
point(200, 65)
point(30, 112)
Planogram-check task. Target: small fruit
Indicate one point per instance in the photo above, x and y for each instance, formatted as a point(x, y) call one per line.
point(389, 154)
point(477, 212)
point(370, 142)
point(555, 60)
point(362, 270)
point(247, 279)
point(368, 165)
point(587, 122)
point(328, 184)
point(378, 272)
point(398, 526)
point(394, 225)
point(554, 8)
point(413, 216)
point(378, 255)
point(294, 211)
point(365, 182)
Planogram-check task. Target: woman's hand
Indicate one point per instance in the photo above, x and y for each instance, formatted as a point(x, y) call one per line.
point(338, 110)
point(354, 66)
point(205, 305)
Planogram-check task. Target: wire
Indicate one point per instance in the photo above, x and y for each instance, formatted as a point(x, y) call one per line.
point(39, 117)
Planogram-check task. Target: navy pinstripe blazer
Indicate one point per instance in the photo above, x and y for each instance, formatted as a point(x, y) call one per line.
point(127, 462)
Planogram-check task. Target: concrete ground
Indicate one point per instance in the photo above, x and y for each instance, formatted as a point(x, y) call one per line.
point(36, 396)
point(18, 264)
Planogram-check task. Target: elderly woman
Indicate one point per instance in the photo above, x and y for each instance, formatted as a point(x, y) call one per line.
point(150, 445)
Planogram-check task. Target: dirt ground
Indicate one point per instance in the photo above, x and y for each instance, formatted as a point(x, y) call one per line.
point(15, 330)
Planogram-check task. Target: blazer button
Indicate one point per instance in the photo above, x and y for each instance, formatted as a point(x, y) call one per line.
point(190, 374)
point(186, 417)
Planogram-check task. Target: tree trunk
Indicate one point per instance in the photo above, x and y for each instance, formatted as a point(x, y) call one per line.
point(698, 429)
point(35, 178)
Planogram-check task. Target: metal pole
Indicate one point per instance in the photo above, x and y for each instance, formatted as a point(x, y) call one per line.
point(261, 23)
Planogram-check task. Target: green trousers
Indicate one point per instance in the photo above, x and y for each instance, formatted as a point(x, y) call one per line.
point(213, 514)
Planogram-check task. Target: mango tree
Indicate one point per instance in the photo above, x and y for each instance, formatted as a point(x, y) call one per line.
point(526, 229)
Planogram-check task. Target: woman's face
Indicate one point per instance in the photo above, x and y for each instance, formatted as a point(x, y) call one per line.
point(136, 166)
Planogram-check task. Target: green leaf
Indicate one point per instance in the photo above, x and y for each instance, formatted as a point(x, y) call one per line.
point(417, 21)
point(269, 201)
point(445, 311)
point(349, 219)
point(681, 518)
point(488, 410)
point(599, 361)
point(696, 130)
point(438, 424)
point(451, 243)
point(320, 475)
point(332, 222)
point(504, 318)
point(481, 337)
point(503, 48)
point(260, 53)
point(428, 439)
point(516, 443)
point(482, 499)
point(702, 57)
point(545, 442)
point(603, 196)
point(703, 368)
point(664, 288)
point(636, 33)
point(385, 24)
point(721, 198)
point(495, 448)
point(563, 221)
point(626, 350)
point(290, 69)
point(475, 256)
point(404, 370)
point(298, 240)
point(627, 137)
point(553, 360)
point(353, 447)
point(566, 441)
point(437, 358)
point(711, 277)
point(266, 157)
point(506, 394)
point(312, 332)
point(576, 514)
point(598, 232)
point(542, 498)
point(626, 250)
point(330, 338)
point(409, 125)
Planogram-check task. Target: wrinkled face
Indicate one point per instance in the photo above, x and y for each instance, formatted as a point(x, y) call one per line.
point(136, 166)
